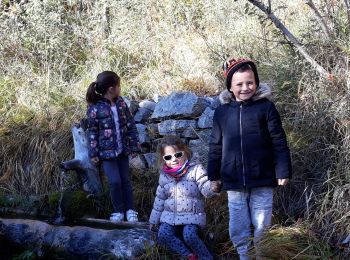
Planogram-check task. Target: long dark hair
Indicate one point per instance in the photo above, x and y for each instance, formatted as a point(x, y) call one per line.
point(99, 87)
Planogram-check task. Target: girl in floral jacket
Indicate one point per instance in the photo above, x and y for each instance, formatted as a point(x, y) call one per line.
point(179, 202)
point(112, 136)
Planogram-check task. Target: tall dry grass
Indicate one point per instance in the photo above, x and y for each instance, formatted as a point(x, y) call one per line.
point(51, 50)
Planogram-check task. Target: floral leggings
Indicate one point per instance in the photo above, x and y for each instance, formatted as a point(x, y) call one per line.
point(168, 235)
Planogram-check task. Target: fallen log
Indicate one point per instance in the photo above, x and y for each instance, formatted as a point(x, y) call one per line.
point(78, 241)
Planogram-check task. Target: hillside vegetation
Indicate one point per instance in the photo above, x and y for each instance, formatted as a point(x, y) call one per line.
point(52, 49)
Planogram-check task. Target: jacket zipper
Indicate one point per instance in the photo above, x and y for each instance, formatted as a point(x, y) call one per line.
point(241, 133)
point(115, 132)
point(175, 201)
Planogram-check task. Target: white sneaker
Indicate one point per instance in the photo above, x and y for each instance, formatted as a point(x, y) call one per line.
point(117, 217)
point(131, 216)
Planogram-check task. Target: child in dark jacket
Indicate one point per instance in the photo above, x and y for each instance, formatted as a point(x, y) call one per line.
point(112, 136)
point(248, 153)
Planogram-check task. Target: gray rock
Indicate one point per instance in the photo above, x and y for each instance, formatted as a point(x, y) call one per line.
point(200, 151)
point(143, 135)
point(206, 119)
point(142, 115)
point(155, 142)
point(189, 133)
point(204, 135)
point(175, 127)
point(78, 241)
point(152, 130)
point(148, 104)
point(214, 101)
point(138, 162)
point(132, 105)
point(151, 159)
point(184, 104)
point(157, 98)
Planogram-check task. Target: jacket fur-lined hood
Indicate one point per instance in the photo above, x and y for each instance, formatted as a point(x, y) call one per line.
point(263, 91)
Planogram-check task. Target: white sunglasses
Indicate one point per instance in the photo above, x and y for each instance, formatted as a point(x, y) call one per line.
point(177, 155)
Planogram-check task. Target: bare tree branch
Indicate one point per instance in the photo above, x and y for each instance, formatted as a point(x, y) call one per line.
point(320, 19)
point(291, 38)
point(347, 10)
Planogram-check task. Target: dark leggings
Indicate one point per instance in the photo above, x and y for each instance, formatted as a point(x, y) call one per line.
point(191, 243)
point(117, 171)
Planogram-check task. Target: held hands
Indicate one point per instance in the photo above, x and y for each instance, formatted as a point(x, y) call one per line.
point(215, 186)
point(153, 227)
point(282, 182)
point(95, 160)
point(133, 155)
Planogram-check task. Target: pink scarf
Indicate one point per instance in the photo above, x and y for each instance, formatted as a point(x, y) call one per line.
point(178, 171)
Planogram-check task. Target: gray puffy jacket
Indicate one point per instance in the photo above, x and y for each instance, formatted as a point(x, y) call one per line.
point(182, 202)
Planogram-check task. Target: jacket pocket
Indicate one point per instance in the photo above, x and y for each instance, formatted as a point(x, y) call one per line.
point(229, 172)
point(254, 170)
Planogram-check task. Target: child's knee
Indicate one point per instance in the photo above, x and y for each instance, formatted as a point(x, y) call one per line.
point(191, 236)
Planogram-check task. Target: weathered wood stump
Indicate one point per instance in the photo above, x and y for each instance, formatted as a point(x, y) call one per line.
point(88, 173)
point(80, 242)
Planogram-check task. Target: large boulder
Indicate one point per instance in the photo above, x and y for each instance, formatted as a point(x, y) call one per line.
point(206, 119)
point(214, 101)
point(148, 104)
point(184, 104)
point(77, 241)
point(132, 105)
point(176, 127)
point(142, 115)
point(138, 162)
point(204, 135)
point(143, 135)
point(200, 151)
point(151, 159)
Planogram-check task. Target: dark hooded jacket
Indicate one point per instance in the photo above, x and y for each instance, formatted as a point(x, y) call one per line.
point(248, 146)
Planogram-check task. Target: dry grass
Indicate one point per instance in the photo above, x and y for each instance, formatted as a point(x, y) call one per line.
point(31, 151)
point(159, 47)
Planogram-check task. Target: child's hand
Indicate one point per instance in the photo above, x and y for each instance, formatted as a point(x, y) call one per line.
point(282, 182)
point(133, 155)
point(215, 186)
point(152, 227)
point(95, 160)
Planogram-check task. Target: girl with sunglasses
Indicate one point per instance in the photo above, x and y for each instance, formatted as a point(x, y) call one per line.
point(179, 203)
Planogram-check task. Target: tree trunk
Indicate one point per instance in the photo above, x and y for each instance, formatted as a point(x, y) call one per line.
point(291, 38)
point(88, 173)
point(320, 19)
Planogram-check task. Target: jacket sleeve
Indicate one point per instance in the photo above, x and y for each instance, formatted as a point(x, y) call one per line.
point(132, 131)
point(203, 183)
point(281, 154)
point(158, 205)
point(215, 150)
point(92, 131)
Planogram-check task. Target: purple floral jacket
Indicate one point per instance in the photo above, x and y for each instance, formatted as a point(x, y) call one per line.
point(101, 133)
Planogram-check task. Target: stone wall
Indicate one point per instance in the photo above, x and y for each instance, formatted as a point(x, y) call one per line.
point(183, 114)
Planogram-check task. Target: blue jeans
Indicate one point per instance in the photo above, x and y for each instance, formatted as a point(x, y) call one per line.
point(249, 207)
point(168, 235)
point(117, 171)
